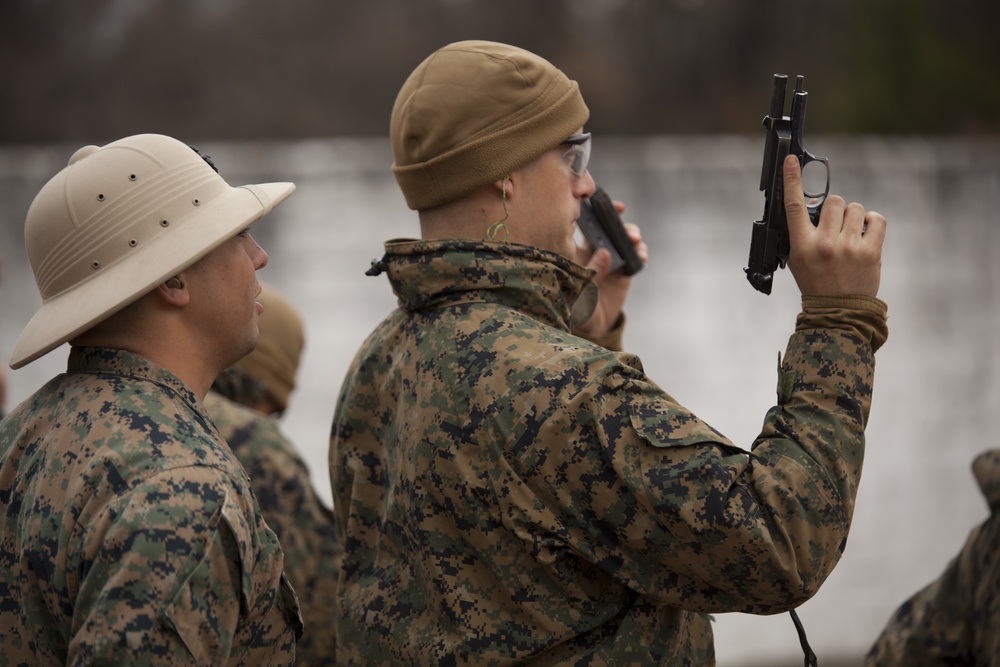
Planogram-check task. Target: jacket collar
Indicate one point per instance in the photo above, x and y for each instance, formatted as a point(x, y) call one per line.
point(99, 360)
point(538, 283)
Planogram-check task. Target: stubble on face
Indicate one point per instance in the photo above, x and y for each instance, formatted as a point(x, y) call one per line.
point(549, 208)
point(227, 290)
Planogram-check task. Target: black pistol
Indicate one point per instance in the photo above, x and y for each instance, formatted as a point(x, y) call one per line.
point(769, 240)
point(603, 228)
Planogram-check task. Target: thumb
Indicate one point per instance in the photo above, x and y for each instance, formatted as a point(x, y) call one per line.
point(795, 197)
point(796, 213)
point(600, 261)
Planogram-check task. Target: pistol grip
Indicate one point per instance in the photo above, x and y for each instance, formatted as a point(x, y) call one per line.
point(602, 226)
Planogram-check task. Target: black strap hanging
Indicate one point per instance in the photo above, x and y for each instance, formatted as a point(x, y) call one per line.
point(810, 657)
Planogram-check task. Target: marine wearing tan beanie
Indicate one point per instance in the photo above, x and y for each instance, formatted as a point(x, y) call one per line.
point(471, 113)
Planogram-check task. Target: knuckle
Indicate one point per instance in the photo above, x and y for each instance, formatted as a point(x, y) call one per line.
point(826, 248)
point(854, 209)
point(875, 218)
point(836, 200)
point(794, 205)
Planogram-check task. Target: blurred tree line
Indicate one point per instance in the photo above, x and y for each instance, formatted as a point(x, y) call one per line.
point(96, 70)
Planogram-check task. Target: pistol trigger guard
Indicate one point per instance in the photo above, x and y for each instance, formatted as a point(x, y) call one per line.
point(808, 158)
point(813, 210)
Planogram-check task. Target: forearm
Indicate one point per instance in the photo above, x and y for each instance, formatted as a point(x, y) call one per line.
point(806, 464)
point(825, 386)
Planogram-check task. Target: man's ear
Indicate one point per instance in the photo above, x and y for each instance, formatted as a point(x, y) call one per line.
point(505, 185)
point(174, 292)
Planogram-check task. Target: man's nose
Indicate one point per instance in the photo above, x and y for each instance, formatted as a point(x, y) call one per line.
point(585, 185)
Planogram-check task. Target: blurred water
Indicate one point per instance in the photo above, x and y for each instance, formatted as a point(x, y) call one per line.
point(700, 329)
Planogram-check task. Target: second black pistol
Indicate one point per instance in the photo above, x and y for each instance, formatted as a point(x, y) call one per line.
point(603, 228)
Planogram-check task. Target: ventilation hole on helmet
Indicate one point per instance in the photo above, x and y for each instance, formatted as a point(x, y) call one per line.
point(164, 223)
point(96, 265)
point(133, 242)
point(131, 177)
point(196, 201)
point(100, 197)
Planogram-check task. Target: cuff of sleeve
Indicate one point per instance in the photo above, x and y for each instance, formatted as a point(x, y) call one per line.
point(858, 314)
point(611, 340)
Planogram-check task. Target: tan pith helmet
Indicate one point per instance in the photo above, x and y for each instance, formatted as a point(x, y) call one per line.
point(117, 221)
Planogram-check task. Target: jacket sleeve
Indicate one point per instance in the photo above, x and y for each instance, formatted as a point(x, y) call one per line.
point(671, 508)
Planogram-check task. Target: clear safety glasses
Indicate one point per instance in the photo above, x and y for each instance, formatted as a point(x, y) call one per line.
point(578, 155)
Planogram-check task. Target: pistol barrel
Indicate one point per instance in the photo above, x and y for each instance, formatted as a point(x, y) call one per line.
point(774, 115)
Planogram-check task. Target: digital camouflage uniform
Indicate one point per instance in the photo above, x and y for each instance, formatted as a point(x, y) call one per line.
point(304, 525)
point(128, 531)
point(956, 619)
point(510, 491)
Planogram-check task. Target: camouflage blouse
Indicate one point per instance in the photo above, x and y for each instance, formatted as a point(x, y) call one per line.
point(511, 492)
point(955, 619)
point(128, 531)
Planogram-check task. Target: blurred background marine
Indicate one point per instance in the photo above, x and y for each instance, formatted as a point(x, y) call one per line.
point(954, 620)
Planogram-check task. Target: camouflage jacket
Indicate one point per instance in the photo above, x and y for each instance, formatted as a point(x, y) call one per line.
point(955, 620)
point(304, 525)
point(128, 531)
point(512, 492)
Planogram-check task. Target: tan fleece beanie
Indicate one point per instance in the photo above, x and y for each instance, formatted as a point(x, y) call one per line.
point(471, 113)
point(275, 360)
